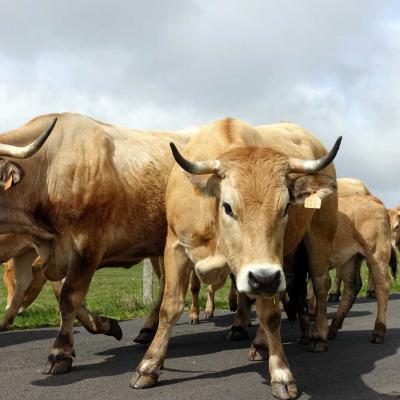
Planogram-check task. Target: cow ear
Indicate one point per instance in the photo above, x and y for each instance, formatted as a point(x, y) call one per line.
point(11, 174)
point(310, 188)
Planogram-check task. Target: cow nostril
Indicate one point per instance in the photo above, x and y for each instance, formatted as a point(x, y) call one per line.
point(276, 276)
point(253, 281)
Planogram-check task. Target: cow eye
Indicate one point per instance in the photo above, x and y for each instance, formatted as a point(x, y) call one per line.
point(227, 208)
point(286, 210)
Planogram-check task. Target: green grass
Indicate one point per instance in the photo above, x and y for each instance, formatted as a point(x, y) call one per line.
point(117, 293)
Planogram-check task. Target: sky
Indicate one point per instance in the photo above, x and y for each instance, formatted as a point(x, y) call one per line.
point(331, 66)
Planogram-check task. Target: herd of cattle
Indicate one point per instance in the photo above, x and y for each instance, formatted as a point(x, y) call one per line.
point(260, 204)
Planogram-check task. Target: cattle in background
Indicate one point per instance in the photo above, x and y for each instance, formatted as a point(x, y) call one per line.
point(96, 198)
point(241, 181)
point(363, 233)
point(394, 216)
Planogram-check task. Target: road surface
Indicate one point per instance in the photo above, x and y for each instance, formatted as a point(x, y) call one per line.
point(201, 364)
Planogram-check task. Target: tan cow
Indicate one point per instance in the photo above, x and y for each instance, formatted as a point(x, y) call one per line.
point(237, 206)
point(363, 233)
point(92, 197)
point(394, 216)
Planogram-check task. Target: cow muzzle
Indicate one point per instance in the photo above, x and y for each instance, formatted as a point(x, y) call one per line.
point(261, 279)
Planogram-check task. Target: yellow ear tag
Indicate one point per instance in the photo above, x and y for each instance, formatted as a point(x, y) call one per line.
point(8, 183)
point(312, 201)
point(275, 298)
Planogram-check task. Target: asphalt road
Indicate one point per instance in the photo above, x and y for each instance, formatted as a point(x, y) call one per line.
point(201, 364)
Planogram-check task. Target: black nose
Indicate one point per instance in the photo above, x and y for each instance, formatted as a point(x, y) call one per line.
point(264, 283)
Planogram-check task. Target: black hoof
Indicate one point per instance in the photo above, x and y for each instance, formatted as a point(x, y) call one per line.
point(233, 307)
point(377, 339)
point(333, 298)
point(56, 365)
point(115, 329)
point(145, 336)
point(237, 333)
point(370, 294)
point(317, 346)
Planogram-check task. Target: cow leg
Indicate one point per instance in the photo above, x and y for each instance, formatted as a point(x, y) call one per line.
point(233, 296)
point(23, 279)
point(149, 329)
point(9, 282)
point(194, 313)
point(350, 273)
point(177, 275)
point(319, 271)
point(91, 322)
point(334, 292)
point(381, 280)
point(371, 289)
point(241, 322)
point(38, 281)
point(258, 349)
point(210, 306)
point(73, 292)
point(283, 383)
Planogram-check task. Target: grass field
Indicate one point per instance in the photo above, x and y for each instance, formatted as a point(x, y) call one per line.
point(117, 293)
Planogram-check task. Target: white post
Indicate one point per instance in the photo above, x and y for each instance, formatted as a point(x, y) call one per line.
point(147, 282)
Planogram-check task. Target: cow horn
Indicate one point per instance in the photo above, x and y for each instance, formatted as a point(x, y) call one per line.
point(195, 167)
point(8, 150)
point(310, 166)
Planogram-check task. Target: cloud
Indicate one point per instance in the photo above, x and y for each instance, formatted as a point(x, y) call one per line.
point(156, 64)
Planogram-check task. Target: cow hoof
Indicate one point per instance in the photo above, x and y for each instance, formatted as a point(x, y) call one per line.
point(332, 333)
point(237, 333)
point(304, 340)
point(333, 298)
point(115, 329)
point(143, 380)
point(370, 294)
point(233, 306)
point(145, 336)
point(317, 346)
point(376, 339)
point(258, 352)
point(3, 328)
point(194, 321)
point(209, 314)
point(59, 364)
point(284, 391)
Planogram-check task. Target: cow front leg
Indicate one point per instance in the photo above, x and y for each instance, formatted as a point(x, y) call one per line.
point(319, 271)
point(23, 279)
point(177, 275)
point(194, 313)
point(149, 329)
point(73, 292)
point(334, 291)
point(283, 384)
point(350, 273)
point(233, 296)
point(9, 282)
point(239, 328)
point(210, 305)
point(259, 350)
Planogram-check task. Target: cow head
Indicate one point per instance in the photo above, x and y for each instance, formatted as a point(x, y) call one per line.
point(11, 173)
point(254, 188)
point(394, 216)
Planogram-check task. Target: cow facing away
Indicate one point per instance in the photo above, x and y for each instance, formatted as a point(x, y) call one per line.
point(363, 233)
point(394, 216)
point(236, 202)
point(96, 198)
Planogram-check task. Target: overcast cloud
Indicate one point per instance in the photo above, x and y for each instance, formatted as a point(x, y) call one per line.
point(332, 66)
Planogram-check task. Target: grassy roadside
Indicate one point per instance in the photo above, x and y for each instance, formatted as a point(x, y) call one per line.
point(117, 293)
